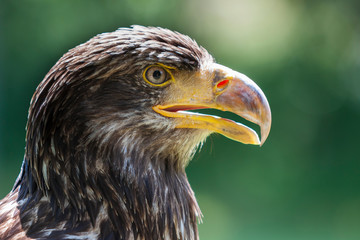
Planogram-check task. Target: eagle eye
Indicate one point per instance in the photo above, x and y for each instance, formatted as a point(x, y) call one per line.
point(157, 75)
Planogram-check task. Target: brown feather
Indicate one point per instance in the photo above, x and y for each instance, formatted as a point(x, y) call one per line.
point(93, 166)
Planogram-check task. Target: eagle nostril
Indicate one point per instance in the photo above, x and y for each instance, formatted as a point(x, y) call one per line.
point(221, 86)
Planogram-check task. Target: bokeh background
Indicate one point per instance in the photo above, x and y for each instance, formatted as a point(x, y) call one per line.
point(304, 183)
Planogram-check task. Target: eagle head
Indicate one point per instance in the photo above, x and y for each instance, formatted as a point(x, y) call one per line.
point(112, 127)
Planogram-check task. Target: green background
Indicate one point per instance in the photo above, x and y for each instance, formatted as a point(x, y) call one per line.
point(304, 183)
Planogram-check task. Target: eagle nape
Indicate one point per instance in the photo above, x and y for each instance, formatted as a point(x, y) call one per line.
point(109, 135)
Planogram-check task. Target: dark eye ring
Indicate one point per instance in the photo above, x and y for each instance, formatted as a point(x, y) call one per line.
point(156, 75)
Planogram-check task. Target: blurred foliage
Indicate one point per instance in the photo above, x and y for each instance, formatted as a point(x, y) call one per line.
point(304, 183)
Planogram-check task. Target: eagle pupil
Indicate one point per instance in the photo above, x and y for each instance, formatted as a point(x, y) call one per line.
point(157, 74)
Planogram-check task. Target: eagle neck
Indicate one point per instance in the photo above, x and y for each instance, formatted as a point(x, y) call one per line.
point(121, 194)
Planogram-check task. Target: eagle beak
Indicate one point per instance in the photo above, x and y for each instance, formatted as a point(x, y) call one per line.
point(244, 98)
point(228, 90)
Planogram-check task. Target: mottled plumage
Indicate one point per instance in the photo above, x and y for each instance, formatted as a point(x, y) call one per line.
point(100, 163)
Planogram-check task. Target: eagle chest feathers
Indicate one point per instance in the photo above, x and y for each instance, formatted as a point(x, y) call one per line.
point(109, 136)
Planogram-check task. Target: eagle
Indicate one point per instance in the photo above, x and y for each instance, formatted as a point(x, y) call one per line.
point(110, 131)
